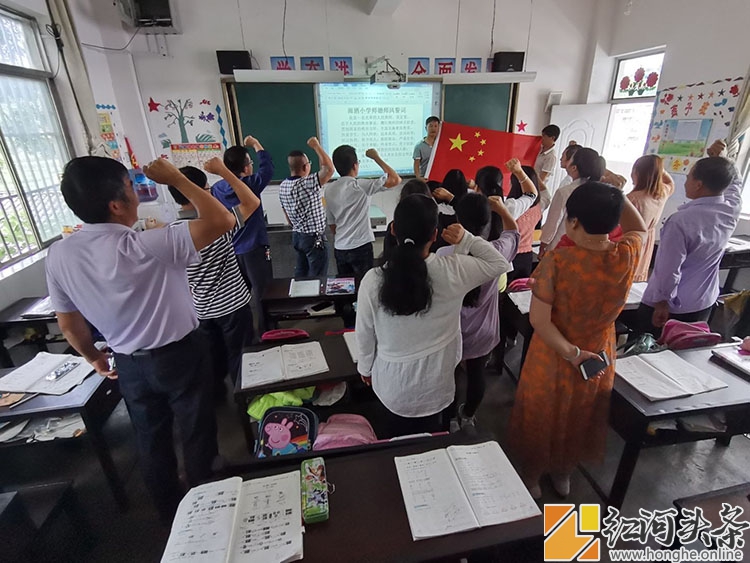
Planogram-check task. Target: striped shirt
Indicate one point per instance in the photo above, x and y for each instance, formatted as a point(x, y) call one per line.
point(302, 201)
point(216, 283)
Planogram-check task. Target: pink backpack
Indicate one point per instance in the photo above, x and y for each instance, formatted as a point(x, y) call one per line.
point(344, 431)
point(679, 335)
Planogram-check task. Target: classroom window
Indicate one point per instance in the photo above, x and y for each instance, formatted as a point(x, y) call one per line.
point(33, 150)
point(637, 77)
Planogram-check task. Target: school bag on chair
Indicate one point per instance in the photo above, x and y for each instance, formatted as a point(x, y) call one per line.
point(343, 431)
point(285, 431)
point(679, 335)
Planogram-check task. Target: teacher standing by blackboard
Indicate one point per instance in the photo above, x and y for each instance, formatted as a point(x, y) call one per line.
point(423, 150)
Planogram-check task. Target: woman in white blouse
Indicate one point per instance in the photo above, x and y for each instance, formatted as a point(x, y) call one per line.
point(408, 316)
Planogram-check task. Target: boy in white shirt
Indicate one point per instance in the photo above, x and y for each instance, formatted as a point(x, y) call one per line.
point(348, 210)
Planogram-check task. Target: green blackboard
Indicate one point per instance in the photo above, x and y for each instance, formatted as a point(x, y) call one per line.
point(281, 116)
point(477, 105)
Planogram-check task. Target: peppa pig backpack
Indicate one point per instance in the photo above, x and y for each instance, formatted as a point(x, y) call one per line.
point(285, 431)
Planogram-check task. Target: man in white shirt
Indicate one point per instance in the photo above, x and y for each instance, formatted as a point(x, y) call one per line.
point(546, 160)
point(348, 210)
point(423, 150)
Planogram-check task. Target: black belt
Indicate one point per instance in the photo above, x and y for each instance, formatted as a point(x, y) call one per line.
point(154, 352)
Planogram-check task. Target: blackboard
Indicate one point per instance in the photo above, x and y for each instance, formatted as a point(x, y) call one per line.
point(477, 105)
point(281, 116)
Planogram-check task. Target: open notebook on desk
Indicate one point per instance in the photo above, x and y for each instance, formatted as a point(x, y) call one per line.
point(282, 363)
point(664, 375)
point(228, 521)
point(461, 488)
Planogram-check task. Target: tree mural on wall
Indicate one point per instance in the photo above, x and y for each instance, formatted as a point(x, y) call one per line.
point(175, 114)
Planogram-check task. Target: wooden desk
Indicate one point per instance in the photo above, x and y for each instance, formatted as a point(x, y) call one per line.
point(368, 519)
point(711, 505)
point(11, 317)
point(341, 367)
point(278, 306)
point(94, 400)
point(631, 413)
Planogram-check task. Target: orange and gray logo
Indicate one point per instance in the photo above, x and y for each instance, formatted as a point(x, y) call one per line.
point(567, 532)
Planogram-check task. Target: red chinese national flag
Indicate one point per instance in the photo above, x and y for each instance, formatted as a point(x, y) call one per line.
point(470, 148)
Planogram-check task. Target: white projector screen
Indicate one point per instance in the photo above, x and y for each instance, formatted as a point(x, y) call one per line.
point(365, 116)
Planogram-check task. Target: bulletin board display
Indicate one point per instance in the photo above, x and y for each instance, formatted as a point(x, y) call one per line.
point(687, 119)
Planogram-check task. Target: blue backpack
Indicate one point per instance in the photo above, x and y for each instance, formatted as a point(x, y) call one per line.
point(285, 431)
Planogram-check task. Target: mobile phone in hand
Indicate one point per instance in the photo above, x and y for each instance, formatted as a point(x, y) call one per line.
point(593, 366)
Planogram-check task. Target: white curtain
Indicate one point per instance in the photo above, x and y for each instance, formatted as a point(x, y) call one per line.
point(737, 150)
point(78, 75)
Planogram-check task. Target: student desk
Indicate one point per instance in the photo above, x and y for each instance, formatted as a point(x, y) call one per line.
point(711, 505)
point(341, 367)
point(278, 306)
point(94, 400)
point(368, 519)
point(631, 413)
point(736, 257)
point(11, 317)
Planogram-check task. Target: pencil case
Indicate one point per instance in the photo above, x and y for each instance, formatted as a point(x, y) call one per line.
point(314, 490)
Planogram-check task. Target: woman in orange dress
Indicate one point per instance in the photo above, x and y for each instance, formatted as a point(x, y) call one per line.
point(559, 419)
point(653, 187)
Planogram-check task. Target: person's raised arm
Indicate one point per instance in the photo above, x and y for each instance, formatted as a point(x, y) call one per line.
point(213, 218)
point(527, 186)
point(249, 202)
point(484, 263)
point(497, 206)
point(631, 220)
point(326, 164)
point(265, 163)
point(393, 178)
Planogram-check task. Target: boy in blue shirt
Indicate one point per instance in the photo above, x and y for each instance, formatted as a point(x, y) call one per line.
point(251, 242)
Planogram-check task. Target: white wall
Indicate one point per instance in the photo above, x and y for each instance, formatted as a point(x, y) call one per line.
point(558, 43)
point(704, 40)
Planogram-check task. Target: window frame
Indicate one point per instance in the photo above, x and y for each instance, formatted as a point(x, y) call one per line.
point(48, 78)
point(629, 57)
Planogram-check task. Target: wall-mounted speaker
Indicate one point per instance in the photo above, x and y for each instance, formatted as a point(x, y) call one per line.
point(231, 60)
point(508, 61)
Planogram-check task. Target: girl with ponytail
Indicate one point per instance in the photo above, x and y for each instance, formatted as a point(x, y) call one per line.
point(408, 315)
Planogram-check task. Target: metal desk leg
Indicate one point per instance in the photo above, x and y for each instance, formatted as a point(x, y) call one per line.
point(624, 474)
point(94, 432)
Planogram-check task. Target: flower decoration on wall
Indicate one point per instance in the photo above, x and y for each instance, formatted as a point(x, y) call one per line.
point(640, 83)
